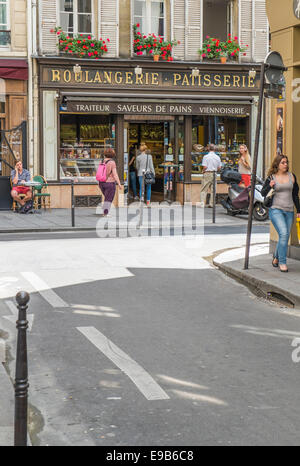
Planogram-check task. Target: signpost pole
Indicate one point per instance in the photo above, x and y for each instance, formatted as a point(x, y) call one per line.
point(254, 165)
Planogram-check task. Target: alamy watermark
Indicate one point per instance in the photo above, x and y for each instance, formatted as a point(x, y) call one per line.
point(296, 91)
point(296, 352)
point(161, 219)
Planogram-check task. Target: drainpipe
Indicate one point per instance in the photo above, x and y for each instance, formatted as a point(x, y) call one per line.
point(29, 85)
point(186, 28)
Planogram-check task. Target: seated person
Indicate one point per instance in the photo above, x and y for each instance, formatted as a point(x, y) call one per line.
point(19, 176)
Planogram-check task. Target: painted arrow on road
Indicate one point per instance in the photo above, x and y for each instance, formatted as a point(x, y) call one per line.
point(14, 317)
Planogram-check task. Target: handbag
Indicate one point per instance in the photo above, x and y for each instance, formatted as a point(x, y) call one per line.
point(149, 177)
point(268, 200)
point(242, 200)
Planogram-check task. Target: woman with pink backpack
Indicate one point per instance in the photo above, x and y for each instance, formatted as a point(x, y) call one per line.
point(108, 178)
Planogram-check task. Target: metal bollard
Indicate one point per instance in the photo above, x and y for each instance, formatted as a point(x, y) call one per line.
point(21, 380)
point(142, 202)
point(72, 203)
point(214, 198)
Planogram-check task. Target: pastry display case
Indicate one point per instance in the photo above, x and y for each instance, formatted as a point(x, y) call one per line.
point(82, 143)
point(226, 133)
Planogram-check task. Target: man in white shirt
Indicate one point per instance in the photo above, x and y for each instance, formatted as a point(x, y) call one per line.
point(211, 163)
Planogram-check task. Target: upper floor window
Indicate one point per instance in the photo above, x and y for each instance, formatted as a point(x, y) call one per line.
point(4, 23)
point(217, 18)
point(150, 14)
point(76, 16)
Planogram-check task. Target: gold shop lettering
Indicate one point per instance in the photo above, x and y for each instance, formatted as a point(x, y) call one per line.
point(164, 79)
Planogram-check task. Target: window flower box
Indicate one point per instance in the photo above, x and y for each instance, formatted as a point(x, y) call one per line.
point(152, 45)
point(80, 45)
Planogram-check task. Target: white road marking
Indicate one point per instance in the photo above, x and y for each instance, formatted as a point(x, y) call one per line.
point(145, 383)
point(45, 291)
point(12, 307)
point(13, 318)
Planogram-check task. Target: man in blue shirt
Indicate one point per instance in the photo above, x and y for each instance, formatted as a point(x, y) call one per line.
point(19, 176)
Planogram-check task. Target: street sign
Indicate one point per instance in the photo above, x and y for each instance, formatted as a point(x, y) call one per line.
point(275, 91)
point(275, 68)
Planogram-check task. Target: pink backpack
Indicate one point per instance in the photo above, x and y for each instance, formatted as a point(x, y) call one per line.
point(101, 174)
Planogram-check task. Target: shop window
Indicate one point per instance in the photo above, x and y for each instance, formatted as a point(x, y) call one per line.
point(83, 139)
point(150, 14)
point(225, 132)
point(217, 18)
point(76, 16)
point(4, 23)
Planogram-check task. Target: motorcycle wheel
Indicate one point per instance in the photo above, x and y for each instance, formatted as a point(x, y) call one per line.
point(260, 212)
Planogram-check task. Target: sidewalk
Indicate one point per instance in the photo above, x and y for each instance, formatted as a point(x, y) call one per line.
point(261, 277)
point(6, 408)
point(86, 219)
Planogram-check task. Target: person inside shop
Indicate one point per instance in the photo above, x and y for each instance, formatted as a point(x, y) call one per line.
point(108, 187)
point(244, 163)
point(144, 162)
point(132, 170)
point(19, 176)
point(211, 163)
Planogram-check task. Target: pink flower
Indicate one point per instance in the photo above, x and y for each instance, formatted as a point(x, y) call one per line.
point(108, 40)
point(203, 55)
point(90, 54)
point(92, 45)
point(89, 37)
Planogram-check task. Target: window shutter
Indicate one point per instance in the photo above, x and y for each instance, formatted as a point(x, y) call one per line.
point(245, 27)
point(187, 27)
point(48, 22)
point(109, 25)
point(179, 28)
point(194, 29)
point(261, 31)
point(254, 29)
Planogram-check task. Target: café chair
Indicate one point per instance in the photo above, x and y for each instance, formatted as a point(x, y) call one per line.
point(14, 203)
point(41, 196)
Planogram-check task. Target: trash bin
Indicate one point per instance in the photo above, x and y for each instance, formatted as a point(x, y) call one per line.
point(5, 197)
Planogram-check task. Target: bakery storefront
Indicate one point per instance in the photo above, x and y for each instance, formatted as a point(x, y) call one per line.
point(176, 108)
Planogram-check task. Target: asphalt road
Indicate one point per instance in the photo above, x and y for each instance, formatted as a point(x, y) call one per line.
point(151, 355)
point(69, 234)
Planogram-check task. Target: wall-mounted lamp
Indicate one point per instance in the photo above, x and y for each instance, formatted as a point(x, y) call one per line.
point(57, 95)
point(138, 70)
point(195, 72)
point(252, 73)
point(76, 68)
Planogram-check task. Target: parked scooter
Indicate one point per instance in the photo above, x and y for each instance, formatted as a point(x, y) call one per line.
point(238, 200)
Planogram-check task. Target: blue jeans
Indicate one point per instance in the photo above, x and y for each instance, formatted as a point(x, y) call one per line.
point(282, 221)
point(148, 189)
point(133, 183)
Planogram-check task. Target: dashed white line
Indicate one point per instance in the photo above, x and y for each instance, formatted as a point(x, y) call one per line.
point(145, 383)
point(45, 291)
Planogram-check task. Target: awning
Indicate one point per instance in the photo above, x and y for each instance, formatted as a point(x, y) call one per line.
point(14, 69)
